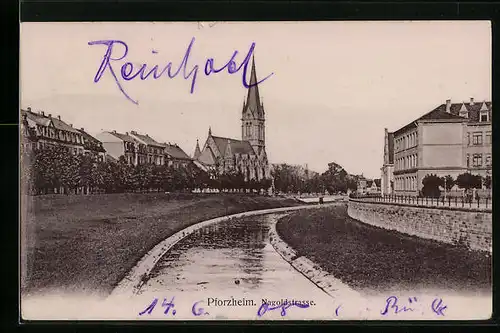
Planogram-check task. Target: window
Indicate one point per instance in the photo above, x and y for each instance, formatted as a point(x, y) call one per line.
point(468, 139)
point(477, 160)
point(488, 138)
point(488, 160)
point(477, 138)
point(468, 160)
point(483, 116)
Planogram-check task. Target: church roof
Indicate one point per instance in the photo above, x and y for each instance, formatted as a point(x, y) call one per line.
point(253, 98)
point(197, 151)
point(237, 146)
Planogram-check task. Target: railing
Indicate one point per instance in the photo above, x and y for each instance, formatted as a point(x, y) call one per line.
point(457, 202)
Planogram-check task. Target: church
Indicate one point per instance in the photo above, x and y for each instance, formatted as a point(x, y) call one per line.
point(248, 155)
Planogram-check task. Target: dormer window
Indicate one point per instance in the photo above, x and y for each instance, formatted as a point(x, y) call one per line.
point(483, 113)
point(463, 111)
point(483, 116)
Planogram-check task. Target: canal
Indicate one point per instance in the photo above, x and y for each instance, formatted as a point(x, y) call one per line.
point(234, 259)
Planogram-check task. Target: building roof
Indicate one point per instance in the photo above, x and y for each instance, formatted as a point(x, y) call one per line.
point(110, 158)
point(176, 152)
point(237, 146)
point(473, 110)
point(92, 142)
point(46, 120)
point(123, 137)
point(253, 97)
point(197, 151)
point(147, 139)
point(439, 113)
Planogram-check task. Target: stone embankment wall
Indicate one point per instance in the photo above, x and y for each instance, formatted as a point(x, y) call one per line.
point(445, 224)
point(322, 279)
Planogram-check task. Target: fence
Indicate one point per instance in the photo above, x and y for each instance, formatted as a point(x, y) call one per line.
point(458, 202)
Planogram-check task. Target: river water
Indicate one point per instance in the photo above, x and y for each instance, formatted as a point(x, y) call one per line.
point(234, 259)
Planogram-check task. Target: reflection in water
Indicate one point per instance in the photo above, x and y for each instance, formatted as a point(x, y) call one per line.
point(234, 252)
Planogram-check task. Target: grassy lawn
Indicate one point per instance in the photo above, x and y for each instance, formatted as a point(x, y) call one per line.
point(370, 258)
point(89, 243)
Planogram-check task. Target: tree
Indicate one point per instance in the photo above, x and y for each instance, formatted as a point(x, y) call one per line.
point(87, 167)
point(487, 182)
point(448, 182)
point(468, 181)
point(335, 178)
point(431, 184)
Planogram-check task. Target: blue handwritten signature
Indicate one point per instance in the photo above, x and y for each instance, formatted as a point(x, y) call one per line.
point(391, 304)
point(128, 72)
point(266, 307)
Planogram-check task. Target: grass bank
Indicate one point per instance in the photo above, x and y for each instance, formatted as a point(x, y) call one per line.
point(89, 243)
point(373, 259)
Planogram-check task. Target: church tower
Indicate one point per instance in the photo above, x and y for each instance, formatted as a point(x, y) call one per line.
point(252, 120)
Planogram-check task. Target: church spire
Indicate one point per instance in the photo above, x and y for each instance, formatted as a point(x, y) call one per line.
point(253, 97)
point(197, 151)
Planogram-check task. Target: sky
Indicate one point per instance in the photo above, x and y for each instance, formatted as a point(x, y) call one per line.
point(335, 85)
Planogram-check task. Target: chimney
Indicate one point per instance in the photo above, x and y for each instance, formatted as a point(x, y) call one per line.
point(71, 125)
point(82, 129)
point(59, 117)
point(29, 108)
point(471, 101)
point(114, 131)
point(43, 113)
point(50, 115)
point(448, 105)
point(126, 133)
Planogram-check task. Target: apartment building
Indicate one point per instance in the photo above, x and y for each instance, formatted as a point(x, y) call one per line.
point(39, 130)
point(175, 156)
point(123, 144)
point(451, 139)
point(155, 151)
point(139, 148)
point(92, 146)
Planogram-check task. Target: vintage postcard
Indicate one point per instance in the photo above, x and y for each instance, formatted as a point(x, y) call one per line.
point(256, 171)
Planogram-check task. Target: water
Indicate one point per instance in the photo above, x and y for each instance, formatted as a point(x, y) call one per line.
point(234, 259)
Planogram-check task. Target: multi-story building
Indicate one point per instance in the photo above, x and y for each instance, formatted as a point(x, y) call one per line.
point(155, 151)
point(40, 130)
point(175, 156)
point(387, 170)
point(362, 185)
point(142, 149)
point(122, 144)
point(92, 146)
point(451, 139)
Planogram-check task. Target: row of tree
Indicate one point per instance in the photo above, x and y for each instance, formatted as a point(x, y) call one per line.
point(432, 184)
point(56, 170)
point(293, 179)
